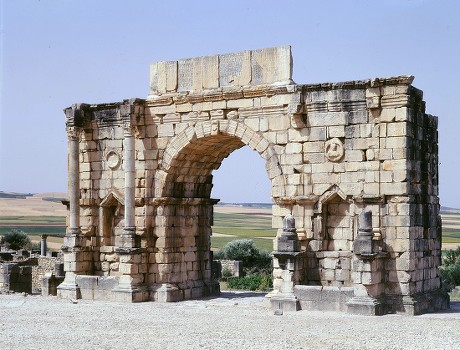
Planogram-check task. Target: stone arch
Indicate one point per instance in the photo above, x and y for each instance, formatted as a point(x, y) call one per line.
point(192, 155)
point(183, 207)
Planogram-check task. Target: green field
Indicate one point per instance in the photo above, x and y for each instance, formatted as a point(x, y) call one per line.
point(227, 227)
point(241, 226)
point(34, 225)
point(450, 226)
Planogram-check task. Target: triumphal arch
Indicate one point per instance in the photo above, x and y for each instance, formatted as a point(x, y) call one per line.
point(354, 175)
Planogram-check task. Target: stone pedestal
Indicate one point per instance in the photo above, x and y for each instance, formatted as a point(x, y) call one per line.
point(50, 283)
point(69, 289)
point(290, 262)
point(127, 292)
point(367, 271)
point(166, 292)
point(365, 306)
point(131, 285)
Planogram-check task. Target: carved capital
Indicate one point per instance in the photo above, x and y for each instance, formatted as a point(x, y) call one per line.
point(129, 129)
point(73, 133)
point(76, 115)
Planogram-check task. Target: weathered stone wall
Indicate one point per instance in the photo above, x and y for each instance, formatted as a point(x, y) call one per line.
point(230, 268)
point(15, 277)
point(26, 275)
point(44, 265)
point(142, 179)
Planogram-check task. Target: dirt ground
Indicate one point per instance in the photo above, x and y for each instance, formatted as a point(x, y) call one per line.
point(32, 206)
point(231, 321)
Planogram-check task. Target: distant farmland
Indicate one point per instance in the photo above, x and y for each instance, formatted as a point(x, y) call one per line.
point(34, 225)
point(43, 214)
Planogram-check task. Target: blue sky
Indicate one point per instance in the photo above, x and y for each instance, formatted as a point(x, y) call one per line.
point(55, 53)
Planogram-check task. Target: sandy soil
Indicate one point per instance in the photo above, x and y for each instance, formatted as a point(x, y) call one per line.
point(31, 206)
point(446, 246)
point(232, 321)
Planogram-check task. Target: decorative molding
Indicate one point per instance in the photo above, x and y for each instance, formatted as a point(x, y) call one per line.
point(113, 159)
point(334, 150)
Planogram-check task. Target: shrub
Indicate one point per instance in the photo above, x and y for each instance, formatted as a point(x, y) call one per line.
point(33, 246)
point(450, 269)
point(15, 239)
point(218, 255)
point(251, 282)
point(245, 251)
point(226, 273)
point(257, 265)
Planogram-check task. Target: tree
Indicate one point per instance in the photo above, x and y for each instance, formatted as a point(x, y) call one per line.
point(15, 239)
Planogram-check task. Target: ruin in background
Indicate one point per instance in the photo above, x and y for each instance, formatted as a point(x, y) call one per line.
point(353, 168)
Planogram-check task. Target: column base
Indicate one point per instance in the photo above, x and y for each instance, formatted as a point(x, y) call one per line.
point(69, 289)
point(365, 306)
point(166, 292)
point(128, 239)
point(73, 241)
point(284, 302)
point(130, 295)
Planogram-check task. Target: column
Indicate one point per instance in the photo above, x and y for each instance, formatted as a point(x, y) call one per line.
point(74, 243)
point(74, 181)
point(128, 237)
point(43, 245)
point(130, 177)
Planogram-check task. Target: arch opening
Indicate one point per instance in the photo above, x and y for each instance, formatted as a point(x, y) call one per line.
point(184, 236)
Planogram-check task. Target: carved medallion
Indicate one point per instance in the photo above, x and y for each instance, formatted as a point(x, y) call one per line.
point(113, 159)
point(334, 150)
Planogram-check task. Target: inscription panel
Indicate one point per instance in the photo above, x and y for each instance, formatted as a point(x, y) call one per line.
point(185, 73)
point(234, 69)
point(265, 66)
point(154, 77)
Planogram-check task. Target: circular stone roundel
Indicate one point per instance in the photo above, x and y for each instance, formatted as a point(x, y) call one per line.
point(334, 150)
point(113, 159)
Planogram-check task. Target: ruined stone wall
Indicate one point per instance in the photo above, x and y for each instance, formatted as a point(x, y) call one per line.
point(15, 277)
point(44, 265)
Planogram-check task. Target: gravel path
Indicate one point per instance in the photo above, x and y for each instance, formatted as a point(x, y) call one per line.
point(233, 321)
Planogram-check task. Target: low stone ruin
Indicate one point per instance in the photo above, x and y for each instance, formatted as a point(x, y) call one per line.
point(15, 277)
point(24, 271)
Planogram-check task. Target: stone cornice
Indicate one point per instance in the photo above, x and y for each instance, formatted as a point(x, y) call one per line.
point(360, 84)
point(221, 94)
point(182, 201)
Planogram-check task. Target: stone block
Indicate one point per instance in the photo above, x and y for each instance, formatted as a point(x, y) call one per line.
point(163, 77)
point(235, 69)
point(327, 119)
point(335, 131)
point(272, 65)
point(165, 130)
